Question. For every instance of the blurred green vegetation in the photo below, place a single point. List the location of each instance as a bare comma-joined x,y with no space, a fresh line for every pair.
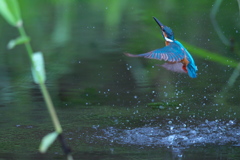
10,11
83,43
111,28
81,37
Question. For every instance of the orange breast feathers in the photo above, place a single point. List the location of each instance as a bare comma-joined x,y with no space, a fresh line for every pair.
185,63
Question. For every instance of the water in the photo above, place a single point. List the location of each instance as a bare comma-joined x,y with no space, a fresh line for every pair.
181,136
112,106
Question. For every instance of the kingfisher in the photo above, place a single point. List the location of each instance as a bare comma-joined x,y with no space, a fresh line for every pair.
174,53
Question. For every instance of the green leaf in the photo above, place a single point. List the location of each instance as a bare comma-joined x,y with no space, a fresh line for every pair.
38,69
11,12
47,141
215,57
17,41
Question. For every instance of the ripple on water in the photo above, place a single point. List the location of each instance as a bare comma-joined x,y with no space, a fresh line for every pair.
210,132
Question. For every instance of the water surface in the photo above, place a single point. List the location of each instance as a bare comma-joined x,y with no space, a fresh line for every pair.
112,106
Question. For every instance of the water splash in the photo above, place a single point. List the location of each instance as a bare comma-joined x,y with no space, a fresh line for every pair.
176,135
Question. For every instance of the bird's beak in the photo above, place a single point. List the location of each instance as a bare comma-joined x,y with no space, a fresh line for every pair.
161,26
159,23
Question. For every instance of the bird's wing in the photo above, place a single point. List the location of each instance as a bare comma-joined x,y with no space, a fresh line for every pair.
170,53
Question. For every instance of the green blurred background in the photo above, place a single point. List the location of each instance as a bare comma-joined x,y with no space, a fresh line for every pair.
93,83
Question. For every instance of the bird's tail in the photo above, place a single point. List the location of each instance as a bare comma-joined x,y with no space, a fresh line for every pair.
192,70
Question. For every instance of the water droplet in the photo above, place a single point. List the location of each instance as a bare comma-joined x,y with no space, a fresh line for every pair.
165,94
135,112
112,150
231,122
180,155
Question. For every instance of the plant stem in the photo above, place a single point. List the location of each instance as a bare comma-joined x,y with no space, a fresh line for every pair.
43,88
27,45
213,13
50,107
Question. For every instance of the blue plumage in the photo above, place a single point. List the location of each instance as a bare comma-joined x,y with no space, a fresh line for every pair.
177,57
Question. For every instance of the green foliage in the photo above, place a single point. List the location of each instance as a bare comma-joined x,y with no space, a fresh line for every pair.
47,141
234,76
38,70
11,12
18,41
114,12
202,53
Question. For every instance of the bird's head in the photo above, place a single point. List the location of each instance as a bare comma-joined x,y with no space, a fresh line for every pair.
166,31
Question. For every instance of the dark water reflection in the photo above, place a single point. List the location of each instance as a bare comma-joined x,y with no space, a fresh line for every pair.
112,106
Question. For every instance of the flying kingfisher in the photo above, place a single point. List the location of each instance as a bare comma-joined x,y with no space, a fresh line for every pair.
177,57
